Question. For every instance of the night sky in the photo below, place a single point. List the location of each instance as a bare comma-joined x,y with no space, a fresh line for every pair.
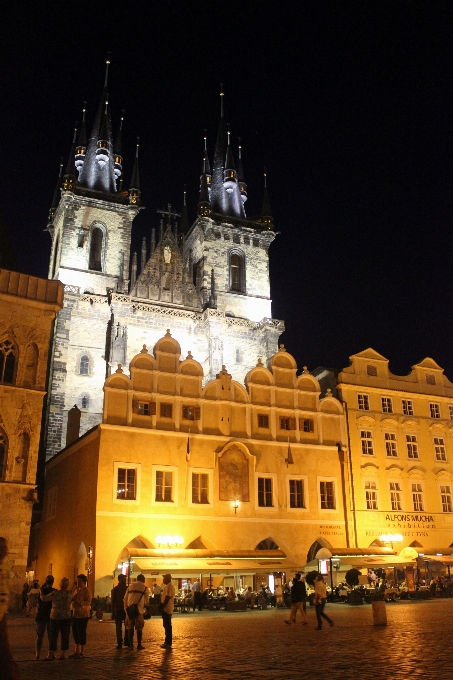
348,105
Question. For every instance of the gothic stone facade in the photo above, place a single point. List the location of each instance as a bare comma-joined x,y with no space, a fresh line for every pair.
28,306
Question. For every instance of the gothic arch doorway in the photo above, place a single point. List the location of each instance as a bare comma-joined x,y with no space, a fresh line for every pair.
317,545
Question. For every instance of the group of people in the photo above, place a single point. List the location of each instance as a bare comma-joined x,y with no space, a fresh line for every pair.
299,601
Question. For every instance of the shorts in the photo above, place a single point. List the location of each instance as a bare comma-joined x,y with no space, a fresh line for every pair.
136,623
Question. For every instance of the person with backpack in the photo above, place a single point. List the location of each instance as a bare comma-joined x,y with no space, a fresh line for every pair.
298,595
135,600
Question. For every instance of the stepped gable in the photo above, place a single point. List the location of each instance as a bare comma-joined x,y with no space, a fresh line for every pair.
165,278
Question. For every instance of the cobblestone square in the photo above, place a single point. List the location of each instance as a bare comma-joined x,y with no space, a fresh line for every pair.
417,642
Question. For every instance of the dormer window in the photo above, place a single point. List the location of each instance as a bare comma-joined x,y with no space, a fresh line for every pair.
430,378
371,370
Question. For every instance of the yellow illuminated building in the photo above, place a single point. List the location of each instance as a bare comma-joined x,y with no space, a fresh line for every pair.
401,447
215,479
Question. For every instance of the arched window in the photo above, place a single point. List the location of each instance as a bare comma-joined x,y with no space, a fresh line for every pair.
84,400
84,366
31,365
237,272
97,238
8,358
3,454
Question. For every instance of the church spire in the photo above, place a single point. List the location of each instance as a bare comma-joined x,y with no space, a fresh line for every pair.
98,168
241,178
229,175
184,225
56,198
69,176
218,196
117,149
134,189
266,217
204,205
82,142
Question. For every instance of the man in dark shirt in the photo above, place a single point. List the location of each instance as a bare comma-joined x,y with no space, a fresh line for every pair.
43,616
298,595
118,613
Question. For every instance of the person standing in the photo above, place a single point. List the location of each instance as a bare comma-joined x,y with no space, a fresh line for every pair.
118,611
43,616
167,600
7,663
196,590
298,595
137,593
60,618
33,600
82,609
320,601
157,590
24,597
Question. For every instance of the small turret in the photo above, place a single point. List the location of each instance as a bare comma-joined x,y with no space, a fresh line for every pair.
69,176
153,241
102,150
56,198
266,217
134,189
241,178
184,227
229,174
134,270
117,150
81,149
143,255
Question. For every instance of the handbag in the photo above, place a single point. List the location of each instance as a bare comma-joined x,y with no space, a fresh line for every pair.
132,610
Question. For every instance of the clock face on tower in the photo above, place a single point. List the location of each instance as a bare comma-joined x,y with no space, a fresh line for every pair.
167,254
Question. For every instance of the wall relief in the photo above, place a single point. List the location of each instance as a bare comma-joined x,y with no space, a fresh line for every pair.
234,476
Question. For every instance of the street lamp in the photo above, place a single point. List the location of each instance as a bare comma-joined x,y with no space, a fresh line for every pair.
236,505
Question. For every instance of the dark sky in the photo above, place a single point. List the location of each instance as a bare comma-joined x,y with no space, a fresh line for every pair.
347,104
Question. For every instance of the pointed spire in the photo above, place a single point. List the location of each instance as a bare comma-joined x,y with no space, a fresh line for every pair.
204,206
134,189
143,255
184,227
206,166
266,217
229,175
218,197
161,229
56,198
118,167
153,241
69,176
221,100
107,64
81,149
134,270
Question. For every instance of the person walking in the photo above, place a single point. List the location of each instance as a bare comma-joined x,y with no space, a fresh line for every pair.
81,605
167,600
42,619
60,618
24,597
8,666
136,594
320,600
298,595
33,600
196,590
118,611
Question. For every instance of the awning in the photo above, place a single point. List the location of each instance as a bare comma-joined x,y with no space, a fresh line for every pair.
383,561
154,562
447,560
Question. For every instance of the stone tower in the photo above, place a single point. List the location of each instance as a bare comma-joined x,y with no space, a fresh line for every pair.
209,283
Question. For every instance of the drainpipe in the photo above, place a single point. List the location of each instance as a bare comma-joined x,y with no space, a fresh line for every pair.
351,474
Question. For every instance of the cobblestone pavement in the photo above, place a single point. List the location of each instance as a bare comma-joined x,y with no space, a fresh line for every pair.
416,643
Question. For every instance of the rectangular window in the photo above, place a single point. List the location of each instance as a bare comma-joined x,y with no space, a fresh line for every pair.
307,425
363,402
371,496
450,411
439,448
390,444
191,412
265,492
430,379
408,407
445,495
411,446
366,438
166,410
395,496
296,493
263,420
256,242
326,495
126,484
417,497
387,406
371,369
434,410
164,486
200,487
143,408
287,423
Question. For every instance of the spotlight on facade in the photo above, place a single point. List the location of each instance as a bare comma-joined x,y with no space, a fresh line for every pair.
236,505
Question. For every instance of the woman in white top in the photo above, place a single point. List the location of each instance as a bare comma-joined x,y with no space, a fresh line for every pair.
320,601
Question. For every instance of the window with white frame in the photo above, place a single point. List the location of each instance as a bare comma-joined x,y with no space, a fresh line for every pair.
327,500
200,488
164,486
408,407
363,402
412,446
445,497
417,497
296,493
265,492
390,444
84,365
450,411
371,495
396,495
434,410
387,406
439,449
126,483
366,440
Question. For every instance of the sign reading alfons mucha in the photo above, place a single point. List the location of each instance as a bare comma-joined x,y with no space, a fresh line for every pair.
234,476
408,524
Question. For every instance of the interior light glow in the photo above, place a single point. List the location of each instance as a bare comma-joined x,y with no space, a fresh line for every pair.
390,538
